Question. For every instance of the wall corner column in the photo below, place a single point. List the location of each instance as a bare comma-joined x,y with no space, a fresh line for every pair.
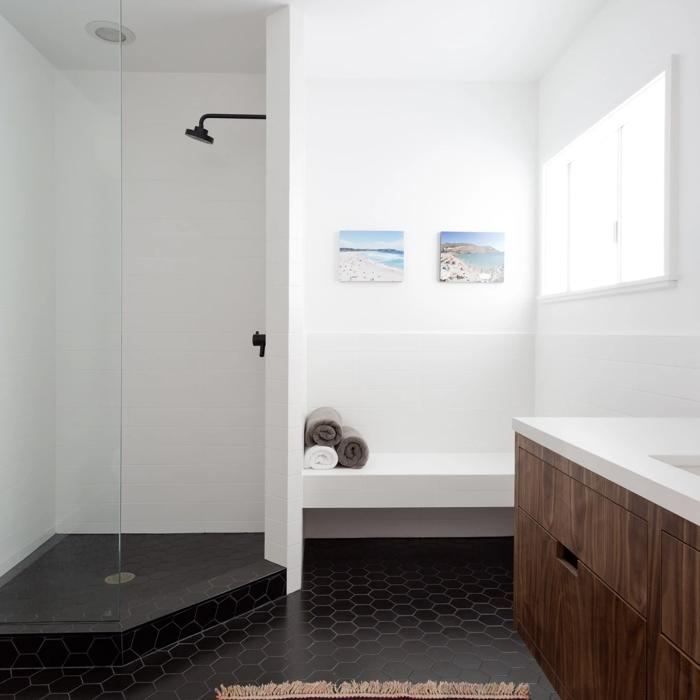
285,381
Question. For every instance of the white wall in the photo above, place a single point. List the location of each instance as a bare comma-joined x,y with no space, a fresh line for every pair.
618,375
422,365
636,356
420,157
61,246
88,300
425,392
285,382
27,318
194,280
350,523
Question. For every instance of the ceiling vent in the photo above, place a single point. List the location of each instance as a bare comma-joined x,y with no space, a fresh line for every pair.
110,32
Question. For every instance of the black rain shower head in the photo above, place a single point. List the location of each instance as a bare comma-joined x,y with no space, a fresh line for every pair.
199,133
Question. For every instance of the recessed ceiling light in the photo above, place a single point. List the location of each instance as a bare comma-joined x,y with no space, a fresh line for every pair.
110,32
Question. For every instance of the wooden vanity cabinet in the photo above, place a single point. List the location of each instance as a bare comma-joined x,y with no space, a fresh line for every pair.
579,625
607,585
676,584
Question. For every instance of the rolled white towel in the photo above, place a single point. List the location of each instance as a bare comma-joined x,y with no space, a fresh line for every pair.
320,457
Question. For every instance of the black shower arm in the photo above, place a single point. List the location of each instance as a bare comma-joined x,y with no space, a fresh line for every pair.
230,116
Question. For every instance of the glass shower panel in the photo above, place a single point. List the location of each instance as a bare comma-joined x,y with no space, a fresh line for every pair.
60,311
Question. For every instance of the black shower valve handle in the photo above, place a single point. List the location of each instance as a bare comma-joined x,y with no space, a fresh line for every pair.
259,341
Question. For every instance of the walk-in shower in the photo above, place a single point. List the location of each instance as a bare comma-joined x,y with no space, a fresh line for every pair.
130,442
60,262
200,133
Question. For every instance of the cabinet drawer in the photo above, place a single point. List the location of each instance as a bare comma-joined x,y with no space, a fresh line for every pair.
545,602
544,493
680,594
675,676
611,541
587,633
614,644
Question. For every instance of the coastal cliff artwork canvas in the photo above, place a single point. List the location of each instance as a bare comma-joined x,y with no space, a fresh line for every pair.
371,256
471,257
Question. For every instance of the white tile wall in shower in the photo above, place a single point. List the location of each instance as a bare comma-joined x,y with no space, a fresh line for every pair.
88,300
27,318
618,375
425,392
194,293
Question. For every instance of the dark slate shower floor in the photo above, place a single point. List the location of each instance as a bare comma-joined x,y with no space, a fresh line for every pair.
369,609
65,583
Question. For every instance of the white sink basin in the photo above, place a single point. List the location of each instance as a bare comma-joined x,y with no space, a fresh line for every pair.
688,463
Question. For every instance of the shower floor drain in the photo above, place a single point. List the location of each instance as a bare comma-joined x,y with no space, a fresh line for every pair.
121,577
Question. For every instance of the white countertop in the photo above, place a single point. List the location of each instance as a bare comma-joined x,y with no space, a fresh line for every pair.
619,449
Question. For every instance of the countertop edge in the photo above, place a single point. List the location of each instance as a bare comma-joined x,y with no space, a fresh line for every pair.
670,499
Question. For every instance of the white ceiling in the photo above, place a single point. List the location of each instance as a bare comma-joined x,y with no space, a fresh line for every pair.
482,40
197,36
485,40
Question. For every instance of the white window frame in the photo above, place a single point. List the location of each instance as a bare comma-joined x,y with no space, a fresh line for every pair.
669,277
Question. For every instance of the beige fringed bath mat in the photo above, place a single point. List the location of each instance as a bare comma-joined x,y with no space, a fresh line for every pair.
375,690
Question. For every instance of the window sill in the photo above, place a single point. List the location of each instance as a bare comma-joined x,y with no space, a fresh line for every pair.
648,285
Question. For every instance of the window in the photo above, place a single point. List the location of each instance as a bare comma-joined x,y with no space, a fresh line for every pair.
605,219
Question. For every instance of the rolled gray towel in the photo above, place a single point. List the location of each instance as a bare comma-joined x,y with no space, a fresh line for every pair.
352,450
323,427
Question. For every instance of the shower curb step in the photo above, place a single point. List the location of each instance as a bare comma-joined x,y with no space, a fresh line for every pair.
37,650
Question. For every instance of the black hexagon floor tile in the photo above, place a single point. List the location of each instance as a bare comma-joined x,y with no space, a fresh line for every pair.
369,609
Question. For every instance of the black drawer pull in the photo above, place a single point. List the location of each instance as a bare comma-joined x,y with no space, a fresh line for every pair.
567,558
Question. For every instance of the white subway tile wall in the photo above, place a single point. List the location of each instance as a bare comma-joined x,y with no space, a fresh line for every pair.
425,392
618,375
27,320
194,251
87,300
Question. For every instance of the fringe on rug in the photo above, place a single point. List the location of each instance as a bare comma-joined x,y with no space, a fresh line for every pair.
371,689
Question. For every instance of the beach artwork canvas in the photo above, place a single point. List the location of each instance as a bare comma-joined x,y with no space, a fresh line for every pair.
371,256
471,257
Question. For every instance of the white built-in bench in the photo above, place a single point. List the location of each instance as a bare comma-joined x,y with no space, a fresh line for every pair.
416,480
